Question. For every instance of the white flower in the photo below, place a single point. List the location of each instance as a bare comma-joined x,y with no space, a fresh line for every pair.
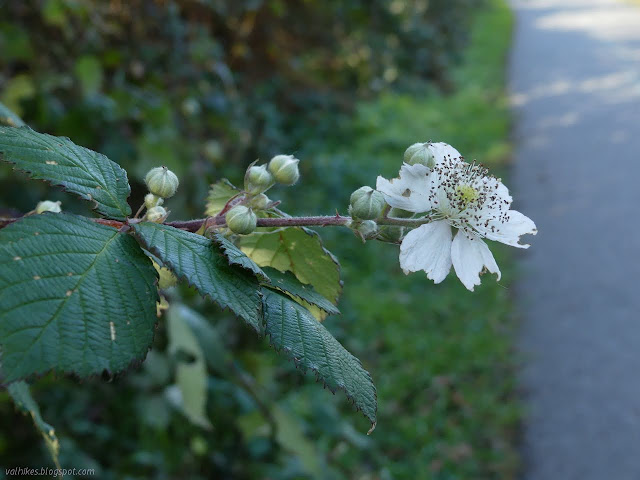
460,195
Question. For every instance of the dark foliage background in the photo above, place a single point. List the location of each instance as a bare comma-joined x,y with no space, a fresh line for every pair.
202,86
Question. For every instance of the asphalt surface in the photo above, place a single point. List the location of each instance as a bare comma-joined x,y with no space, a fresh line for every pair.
575,91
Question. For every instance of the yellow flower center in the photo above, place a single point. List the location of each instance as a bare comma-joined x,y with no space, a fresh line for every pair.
466,194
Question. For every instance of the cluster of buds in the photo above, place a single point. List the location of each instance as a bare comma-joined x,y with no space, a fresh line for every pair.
162,183
368,205
282,169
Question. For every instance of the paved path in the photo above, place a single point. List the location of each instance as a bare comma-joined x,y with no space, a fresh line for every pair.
575,83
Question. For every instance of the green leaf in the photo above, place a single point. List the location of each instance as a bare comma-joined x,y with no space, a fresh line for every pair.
75,296
21,396
61,162
297,250
202,264
7,117
237,257
219,194
191,376
288,283
292,329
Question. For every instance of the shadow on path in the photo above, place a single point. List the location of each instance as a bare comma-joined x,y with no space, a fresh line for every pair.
575,83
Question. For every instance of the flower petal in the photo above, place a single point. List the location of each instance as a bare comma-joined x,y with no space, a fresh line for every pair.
428,248
443,151
509,230
410,191
469,255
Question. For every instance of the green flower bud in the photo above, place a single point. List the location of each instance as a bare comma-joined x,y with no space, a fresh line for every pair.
156,214
408,153
285,169
151,200
48,206
367,229
400,213
420,153
162,182
258,179
166,278
367,203
259,202
241,220
391,234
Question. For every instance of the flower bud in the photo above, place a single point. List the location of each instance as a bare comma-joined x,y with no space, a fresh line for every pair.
151,200
420,153
156,214
408,153
367,229
48,206
162,182
241,220
390,234
285,169
400,213
259,202
258,179
367,203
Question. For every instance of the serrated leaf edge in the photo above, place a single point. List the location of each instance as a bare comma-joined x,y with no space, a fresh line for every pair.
95,206
220,240
274,286
183,278
303,369
133,363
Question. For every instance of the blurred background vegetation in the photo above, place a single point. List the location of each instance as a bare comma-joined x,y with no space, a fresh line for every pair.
205,87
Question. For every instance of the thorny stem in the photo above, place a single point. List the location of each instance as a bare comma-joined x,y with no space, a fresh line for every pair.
219,221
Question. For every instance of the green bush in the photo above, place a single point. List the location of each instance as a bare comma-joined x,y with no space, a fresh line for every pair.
204,87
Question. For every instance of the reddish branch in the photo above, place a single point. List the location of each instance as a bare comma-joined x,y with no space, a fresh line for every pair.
219,221
195,225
